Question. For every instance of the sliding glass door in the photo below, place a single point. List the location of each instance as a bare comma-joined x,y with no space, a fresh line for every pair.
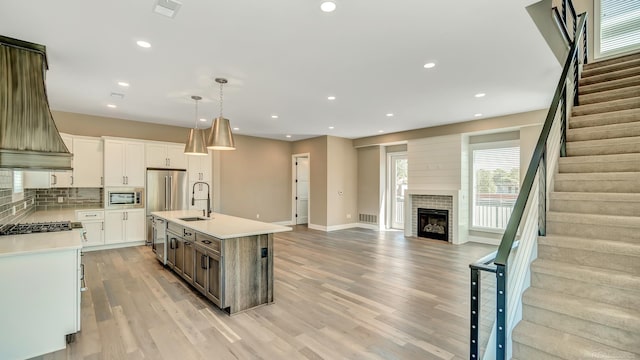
397,186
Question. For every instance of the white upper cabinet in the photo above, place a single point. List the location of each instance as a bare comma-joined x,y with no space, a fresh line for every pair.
88,167
64,179
165,156
123,163
199,168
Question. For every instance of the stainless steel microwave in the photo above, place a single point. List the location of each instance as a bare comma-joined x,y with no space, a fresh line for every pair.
124,198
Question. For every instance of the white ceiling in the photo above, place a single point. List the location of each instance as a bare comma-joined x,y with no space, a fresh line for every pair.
285,57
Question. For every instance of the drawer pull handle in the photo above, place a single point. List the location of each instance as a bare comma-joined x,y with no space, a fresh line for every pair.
206,242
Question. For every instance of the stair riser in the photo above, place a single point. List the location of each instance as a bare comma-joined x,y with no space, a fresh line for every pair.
610,95
613,132
619,262
575,149
599,108
589,71
594,231
626,298
521,351
602,186
609,85
600,166
616,60
611,336
622,208
614,75
624,117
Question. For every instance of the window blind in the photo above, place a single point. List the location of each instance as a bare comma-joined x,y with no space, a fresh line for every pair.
619,25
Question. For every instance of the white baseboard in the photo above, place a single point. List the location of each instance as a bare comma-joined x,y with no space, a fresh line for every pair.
483,240
284,223
113,246
317,227
343,227
375,227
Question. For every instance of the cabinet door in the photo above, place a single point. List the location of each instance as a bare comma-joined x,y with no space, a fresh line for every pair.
172,240
179,259
64,179
95,233
200,168
176,157
156,155
200,274
113,167
114,227
134,225
134,168
214,278
87,162
189,261
37,179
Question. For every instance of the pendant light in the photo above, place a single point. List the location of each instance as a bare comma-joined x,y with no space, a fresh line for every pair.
220,136
196,144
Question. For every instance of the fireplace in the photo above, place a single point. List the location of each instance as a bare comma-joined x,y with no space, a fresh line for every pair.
433,224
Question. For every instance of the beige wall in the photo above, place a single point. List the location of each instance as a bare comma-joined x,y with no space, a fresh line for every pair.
501,122
342,181
89,125
256,179
317,150
370,171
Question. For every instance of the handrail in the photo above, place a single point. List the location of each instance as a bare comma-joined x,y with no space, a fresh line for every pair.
518,210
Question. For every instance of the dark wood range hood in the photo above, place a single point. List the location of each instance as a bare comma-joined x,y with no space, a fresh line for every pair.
29,138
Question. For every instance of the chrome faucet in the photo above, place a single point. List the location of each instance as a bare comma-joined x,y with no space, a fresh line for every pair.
193,197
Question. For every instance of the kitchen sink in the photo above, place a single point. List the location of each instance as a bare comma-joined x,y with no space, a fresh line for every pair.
193,219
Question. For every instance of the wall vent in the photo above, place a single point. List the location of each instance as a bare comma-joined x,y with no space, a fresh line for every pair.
368,218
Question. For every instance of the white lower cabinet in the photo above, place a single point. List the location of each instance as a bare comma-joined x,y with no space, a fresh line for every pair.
122,226
93,224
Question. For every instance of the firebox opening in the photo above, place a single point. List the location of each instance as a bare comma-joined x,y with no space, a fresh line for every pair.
433,224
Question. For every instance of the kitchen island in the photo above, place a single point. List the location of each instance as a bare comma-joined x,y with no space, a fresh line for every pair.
226,258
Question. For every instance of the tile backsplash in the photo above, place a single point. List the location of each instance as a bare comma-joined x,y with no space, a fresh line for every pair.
68,198
23,207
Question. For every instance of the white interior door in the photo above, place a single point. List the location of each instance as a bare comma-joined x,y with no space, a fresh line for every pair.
398,185
302,190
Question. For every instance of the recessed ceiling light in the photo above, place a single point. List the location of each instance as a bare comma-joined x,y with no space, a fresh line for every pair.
328,6
274,116
111,106
380,131
389,115
477,115
331,97
288,136
331,127
123,84
479,95
429,65
236,129
143,44
203,119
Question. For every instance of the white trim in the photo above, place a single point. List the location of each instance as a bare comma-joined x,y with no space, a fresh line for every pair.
316,227
484,240
284,223
343,227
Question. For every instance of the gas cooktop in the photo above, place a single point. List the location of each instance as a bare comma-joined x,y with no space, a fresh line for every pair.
30,228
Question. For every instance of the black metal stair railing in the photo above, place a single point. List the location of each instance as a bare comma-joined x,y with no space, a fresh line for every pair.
498,261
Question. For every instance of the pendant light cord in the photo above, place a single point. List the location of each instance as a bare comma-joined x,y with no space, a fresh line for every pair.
196,114
221,100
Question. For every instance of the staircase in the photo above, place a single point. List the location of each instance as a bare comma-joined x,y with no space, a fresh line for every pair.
584,299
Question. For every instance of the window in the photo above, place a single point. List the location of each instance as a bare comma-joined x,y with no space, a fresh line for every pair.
495,176
618,26
18,186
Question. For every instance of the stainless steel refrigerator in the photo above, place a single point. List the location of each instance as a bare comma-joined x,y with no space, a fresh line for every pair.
166,190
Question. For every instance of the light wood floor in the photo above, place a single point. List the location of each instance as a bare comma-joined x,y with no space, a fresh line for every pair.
351,294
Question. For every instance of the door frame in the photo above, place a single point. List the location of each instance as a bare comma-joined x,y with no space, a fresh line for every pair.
293,188
390,182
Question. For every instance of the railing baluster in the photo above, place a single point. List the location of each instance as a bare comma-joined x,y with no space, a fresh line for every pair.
475,313
563,124
501,317
585,45
542,194
564,12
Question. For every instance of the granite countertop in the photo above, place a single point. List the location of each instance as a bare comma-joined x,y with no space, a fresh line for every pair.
43,242
221,226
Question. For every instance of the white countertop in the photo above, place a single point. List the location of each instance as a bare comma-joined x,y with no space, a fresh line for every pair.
42,242
221,226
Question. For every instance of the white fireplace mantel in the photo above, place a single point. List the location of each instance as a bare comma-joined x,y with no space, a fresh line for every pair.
460,231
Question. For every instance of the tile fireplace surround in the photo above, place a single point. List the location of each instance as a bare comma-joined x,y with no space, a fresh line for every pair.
435,199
